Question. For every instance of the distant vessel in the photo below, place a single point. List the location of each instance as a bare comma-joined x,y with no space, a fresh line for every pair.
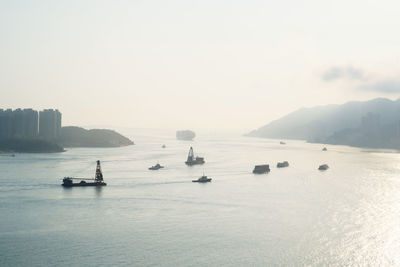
98,180
259,169
323,167
156,167
282,143
186,135
164,146
282,164
191,160
202,179
324,149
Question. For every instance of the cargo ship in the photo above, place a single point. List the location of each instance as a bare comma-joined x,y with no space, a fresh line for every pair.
282,164
259,169
185,135
192,160
97,181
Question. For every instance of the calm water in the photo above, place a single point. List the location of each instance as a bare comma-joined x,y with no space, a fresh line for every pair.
348,215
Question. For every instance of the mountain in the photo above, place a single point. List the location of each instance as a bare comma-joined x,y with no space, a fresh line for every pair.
72,136
374,123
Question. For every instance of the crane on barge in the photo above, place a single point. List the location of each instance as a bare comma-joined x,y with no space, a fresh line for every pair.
97,181
192,160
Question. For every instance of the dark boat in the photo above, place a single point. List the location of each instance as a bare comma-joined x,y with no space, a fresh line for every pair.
324,149
202,179
323,167
282,143
97,181
164,146
191,160
156,167
259,169
282,164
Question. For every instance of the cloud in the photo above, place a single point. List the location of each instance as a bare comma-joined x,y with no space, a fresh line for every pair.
343,73
385,86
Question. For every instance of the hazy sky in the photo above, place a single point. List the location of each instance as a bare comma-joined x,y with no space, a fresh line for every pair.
195,64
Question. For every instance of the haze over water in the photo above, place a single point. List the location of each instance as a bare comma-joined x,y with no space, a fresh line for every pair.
347,215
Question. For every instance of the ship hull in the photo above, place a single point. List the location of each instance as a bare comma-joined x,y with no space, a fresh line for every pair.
155,168
191,163
84,184
203,181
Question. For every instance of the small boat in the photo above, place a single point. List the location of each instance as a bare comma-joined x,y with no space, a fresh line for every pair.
202,179
259,169
97,181
282,164
282,143
323,167
164,146
192,160
324,149
156,167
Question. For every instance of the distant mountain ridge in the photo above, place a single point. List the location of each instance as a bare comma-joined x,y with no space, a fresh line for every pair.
374,123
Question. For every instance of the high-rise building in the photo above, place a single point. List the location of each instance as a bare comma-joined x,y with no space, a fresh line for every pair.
26,123
49,124
5,123
31,125
18,123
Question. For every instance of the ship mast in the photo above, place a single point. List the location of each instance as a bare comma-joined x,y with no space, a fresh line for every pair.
99,174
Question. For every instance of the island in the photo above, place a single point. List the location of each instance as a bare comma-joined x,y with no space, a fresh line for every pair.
32,131
72,136
29,145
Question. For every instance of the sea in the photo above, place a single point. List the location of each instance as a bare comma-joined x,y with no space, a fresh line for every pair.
348,215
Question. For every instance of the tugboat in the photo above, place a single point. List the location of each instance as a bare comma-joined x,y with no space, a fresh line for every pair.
282,164
156,167
259,169
97,181
191,160
323,167
202,179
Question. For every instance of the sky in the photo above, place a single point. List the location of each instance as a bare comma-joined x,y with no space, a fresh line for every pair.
212,65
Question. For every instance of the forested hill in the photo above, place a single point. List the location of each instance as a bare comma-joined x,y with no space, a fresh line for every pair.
72,136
